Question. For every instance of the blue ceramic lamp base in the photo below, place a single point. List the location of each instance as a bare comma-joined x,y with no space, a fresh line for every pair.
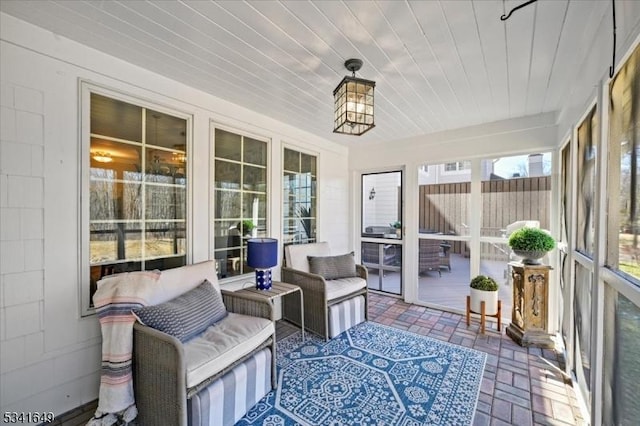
263,279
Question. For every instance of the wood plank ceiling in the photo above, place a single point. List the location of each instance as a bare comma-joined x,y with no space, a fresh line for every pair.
438,65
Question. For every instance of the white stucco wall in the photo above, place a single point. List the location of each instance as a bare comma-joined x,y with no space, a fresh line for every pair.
50,355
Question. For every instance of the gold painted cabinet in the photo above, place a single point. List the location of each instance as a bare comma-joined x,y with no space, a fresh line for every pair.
530,302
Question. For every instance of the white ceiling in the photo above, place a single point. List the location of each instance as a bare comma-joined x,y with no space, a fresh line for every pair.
438,65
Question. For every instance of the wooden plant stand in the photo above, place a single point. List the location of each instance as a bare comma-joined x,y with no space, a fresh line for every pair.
483,315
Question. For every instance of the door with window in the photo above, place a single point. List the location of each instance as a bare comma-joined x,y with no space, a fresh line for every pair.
381,232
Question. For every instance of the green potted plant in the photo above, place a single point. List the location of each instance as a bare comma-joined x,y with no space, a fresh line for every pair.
398,227
246,227
484,289
531,244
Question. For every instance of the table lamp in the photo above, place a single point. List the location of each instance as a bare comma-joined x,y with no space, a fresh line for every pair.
262,255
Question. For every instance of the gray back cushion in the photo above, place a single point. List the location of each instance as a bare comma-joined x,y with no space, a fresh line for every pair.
333,267
296,254
187,315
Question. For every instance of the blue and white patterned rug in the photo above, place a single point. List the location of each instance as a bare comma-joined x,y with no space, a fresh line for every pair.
371,374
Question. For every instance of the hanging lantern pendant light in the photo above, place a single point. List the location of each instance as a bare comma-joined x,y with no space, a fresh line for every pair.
353,102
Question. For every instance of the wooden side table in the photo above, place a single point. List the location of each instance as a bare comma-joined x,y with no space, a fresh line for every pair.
278,289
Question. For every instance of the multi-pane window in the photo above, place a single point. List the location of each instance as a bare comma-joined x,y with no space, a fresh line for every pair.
623,234
299,197
240,198
457,166
137,189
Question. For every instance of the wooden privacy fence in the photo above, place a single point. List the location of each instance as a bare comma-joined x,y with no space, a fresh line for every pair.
444,208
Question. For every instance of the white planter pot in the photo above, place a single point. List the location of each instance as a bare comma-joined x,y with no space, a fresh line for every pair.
490,299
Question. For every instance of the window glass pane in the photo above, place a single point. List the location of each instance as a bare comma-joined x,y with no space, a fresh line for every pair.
164,239
228,145
308,164
381,205
118,240
165,202
115,201
494,263
443,271
227,175
291,160
165,131
115,119
254,206
298,197
624,171
164,166
515,188
255,152
383,261
104,242
582,320
255,178
587,143
443,227
132,241
117,156
565,265
621,361
444,203
240,199
227,204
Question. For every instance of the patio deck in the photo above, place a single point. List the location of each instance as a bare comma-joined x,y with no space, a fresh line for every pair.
448,290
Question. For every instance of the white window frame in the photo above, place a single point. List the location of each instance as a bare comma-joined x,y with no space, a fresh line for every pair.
317,179
213,125
86,88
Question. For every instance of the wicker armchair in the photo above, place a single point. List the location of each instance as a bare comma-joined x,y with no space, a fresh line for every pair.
163,366
428,256
325,301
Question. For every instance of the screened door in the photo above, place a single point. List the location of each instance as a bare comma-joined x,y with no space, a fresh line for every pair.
382,230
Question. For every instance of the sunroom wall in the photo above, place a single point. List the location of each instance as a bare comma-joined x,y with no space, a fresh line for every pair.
50,355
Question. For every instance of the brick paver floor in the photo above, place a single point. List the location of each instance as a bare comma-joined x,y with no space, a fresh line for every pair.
521,386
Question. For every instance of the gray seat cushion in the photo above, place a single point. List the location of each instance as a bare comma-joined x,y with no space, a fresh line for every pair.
222,344
343,286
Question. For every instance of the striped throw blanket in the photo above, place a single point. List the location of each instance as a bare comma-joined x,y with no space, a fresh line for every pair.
114,299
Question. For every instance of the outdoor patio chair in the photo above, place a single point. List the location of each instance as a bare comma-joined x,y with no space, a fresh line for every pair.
370,255
445,255
428,256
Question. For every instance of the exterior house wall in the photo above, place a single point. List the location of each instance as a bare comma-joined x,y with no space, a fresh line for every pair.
50,354
383,209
